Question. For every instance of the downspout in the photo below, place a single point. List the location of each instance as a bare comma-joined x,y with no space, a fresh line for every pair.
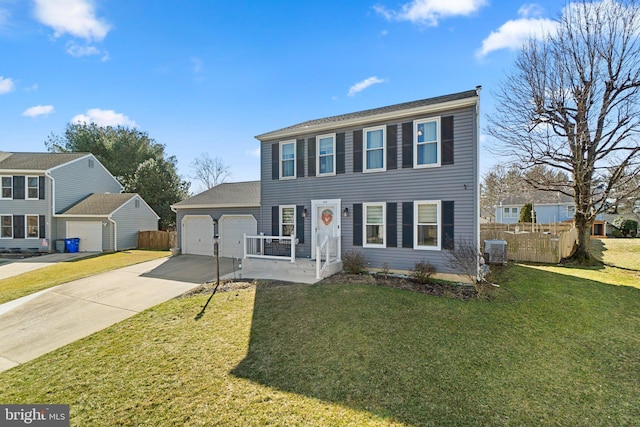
115,233
477,178
53,209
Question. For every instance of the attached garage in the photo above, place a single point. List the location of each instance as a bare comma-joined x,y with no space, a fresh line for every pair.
232,228
89,233
197,235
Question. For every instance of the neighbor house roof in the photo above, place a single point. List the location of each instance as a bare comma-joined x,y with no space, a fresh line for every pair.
99,204
539,198
384,113
228,194
36,161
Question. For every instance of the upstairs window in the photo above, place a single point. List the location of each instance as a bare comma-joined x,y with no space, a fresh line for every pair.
374,146
287,159
7,187
32,187
6,227
288,220
427,143
374,221
326,155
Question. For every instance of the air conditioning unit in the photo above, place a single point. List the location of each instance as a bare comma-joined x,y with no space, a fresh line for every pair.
495,251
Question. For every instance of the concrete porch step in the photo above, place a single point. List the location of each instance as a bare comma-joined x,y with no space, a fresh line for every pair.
302,271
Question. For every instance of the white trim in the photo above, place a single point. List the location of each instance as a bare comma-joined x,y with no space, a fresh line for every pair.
438,143
11,187
211,205
337,204
334,154
138,197
280,223
26,187
26,226
438,203
10,228
383,128
280,159
87,157
364,120
384,225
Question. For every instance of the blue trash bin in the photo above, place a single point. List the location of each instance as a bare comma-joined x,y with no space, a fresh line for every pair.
71,245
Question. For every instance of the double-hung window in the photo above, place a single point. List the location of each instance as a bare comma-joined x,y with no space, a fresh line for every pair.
32,188
326,155
7,187
33,227
427,143
511,212
374,225
374,146
287,159
427,222
6,227
288,220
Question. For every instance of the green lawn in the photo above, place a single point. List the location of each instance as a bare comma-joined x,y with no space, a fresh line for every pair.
554,349
43,278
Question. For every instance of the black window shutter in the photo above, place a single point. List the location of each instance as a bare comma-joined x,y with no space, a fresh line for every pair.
18,226
18,187
41,187
299,224
392,225
300,158
357,150
311,156
340,152
446,124
275,160
392,147
447,225
42,227
407,145
407,224
275,220
357,224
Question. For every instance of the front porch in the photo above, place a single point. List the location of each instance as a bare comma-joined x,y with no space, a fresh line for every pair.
274,258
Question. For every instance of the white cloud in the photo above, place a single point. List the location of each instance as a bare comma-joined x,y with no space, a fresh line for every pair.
38,110
360,86
430,12
6,85
76,50
74,17
103,118
514,33
253,153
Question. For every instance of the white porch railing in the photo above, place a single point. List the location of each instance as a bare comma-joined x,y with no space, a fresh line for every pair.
270,247
324,257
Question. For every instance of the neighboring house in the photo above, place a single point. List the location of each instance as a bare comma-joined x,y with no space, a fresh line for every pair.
398,184
50,196
228,210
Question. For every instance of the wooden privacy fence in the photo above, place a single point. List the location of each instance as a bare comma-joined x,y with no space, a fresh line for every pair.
157,240
534,247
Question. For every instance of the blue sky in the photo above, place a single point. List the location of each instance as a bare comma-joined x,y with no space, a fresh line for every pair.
206,76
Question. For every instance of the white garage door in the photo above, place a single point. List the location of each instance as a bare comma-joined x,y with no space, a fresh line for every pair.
232,228
197,235
89,232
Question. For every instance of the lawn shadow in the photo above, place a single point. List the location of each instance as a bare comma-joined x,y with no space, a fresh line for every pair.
598,249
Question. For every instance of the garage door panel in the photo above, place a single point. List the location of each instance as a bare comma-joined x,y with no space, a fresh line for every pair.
89,233
232,229
197,235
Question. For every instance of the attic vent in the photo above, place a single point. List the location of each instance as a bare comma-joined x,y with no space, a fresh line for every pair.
137,203
495,251
91,162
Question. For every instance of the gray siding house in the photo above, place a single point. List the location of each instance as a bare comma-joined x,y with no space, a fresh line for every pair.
398,184
228,210
50,196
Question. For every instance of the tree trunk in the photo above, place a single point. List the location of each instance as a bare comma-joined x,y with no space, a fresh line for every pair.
583,249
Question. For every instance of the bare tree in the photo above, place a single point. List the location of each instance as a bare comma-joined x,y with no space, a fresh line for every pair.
210,172
572,104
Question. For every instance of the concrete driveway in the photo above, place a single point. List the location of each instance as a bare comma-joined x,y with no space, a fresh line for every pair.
12,267
37,324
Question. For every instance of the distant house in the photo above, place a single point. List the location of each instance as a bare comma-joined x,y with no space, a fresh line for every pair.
51,196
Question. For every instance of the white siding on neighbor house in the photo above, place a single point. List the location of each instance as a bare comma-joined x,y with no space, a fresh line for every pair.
76,180
130,220
457,182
